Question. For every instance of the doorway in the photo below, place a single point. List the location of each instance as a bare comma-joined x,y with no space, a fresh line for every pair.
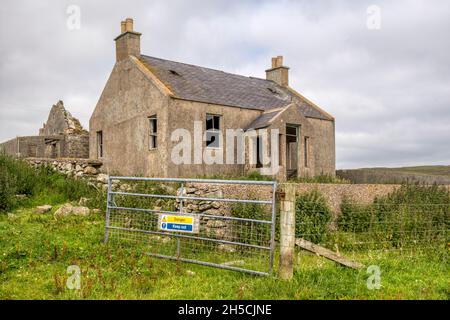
291,150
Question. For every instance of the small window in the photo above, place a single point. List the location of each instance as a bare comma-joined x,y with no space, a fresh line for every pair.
306,152
153,132
212,131
99,144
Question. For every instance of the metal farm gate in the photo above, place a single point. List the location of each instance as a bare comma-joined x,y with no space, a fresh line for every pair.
192,220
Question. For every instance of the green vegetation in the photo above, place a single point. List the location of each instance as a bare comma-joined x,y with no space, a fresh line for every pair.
312,216
251,232
254,175
36,250
321,179
23,186
413,214
425,170
423,174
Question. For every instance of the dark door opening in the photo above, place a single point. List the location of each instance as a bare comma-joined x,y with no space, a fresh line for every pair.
291,151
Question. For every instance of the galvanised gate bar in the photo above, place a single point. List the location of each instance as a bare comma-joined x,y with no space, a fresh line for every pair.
164,218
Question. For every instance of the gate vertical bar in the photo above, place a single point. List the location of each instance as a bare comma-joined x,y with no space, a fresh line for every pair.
181,211
108,204
272,228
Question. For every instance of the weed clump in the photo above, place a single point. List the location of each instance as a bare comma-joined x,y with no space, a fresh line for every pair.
312,216
413,214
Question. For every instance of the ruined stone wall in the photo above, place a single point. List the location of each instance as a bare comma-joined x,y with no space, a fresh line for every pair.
62,136
76,146
23,147
9,147
82,168
60,121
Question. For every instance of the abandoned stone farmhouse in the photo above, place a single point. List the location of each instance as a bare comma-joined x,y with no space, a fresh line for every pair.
146,99
147,102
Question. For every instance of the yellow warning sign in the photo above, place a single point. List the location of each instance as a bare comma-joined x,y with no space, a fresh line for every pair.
178,219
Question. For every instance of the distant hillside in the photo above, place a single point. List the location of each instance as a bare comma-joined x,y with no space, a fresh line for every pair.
423,174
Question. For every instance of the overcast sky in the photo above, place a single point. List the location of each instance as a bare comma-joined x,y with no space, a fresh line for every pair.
388,87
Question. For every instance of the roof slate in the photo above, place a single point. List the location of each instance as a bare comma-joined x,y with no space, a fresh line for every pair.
201,84
263,120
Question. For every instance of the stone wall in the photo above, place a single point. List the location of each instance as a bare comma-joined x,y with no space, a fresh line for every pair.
21,147
76,146
334,193
60,121
218,228
81,168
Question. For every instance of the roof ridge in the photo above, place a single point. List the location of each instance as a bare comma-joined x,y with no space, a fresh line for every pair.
212,69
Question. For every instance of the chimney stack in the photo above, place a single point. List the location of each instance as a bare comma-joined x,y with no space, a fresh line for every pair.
128,43
278,73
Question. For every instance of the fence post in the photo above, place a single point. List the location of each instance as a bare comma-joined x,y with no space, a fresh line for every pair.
287,231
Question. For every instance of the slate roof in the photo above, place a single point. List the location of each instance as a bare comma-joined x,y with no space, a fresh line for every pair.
263,120
194,83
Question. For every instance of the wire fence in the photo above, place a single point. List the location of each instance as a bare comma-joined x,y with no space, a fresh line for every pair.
408,228
240,232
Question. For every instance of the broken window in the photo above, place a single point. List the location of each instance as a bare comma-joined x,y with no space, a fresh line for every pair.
212,131
99,144
153,132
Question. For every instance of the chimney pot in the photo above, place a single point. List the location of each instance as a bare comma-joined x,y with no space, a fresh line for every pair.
123,27
277,62
129,24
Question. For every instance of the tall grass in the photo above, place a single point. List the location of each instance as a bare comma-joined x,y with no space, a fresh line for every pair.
321,179
254,175
312,216
413,215
39,185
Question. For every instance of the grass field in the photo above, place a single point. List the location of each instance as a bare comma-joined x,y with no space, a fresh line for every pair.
421,170
35,251
427,170
420,174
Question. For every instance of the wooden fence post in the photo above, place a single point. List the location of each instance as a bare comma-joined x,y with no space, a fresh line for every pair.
287,231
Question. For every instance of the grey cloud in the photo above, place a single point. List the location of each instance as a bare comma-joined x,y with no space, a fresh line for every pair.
388,89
